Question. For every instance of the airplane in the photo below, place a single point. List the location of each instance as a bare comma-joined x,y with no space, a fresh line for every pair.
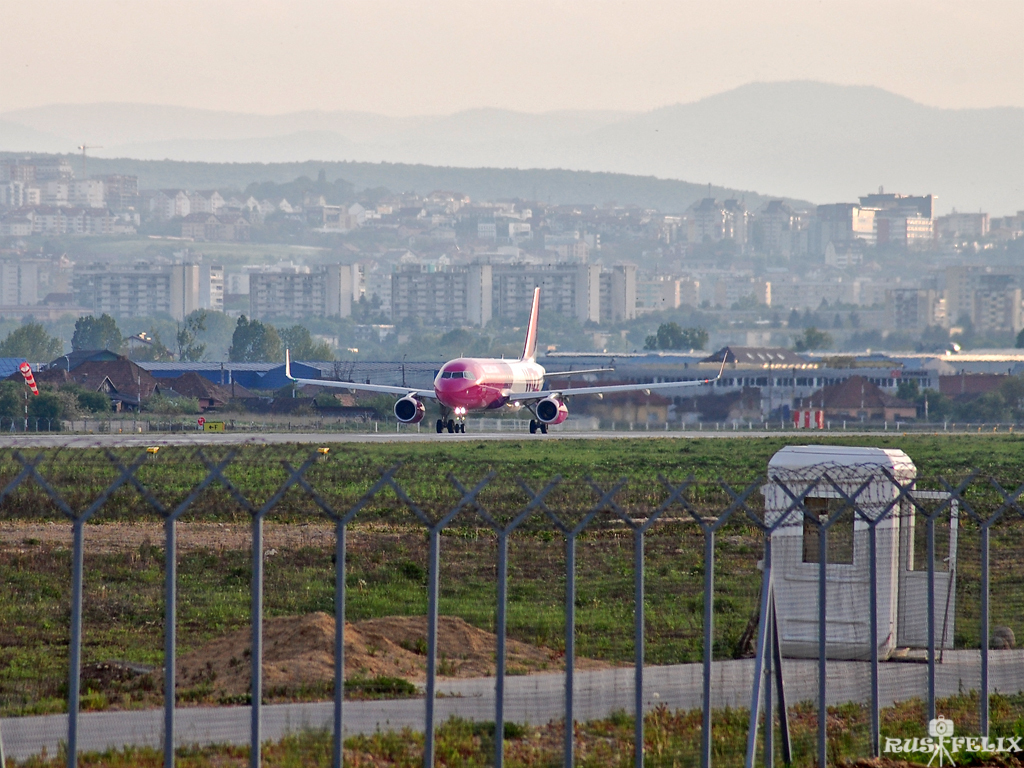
478,385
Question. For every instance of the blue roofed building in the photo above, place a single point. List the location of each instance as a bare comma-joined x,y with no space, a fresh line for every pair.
9,365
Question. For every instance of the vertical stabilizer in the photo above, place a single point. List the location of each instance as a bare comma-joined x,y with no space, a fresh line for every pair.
530,348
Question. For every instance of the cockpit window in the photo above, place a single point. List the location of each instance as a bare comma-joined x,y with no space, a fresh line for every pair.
455,375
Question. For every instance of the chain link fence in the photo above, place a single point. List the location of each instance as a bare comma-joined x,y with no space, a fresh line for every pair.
784,597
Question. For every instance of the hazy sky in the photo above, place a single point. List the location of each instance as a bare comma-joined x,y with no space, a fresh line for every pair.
440,56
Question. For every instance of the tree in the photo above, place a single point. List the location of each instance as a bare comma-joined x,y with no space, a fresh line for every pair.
32,342
300,342
188,349
671,336
1012,391
254,342
1020,340
47,405
87,399
908,389
813,339
12,402
96,333
367,311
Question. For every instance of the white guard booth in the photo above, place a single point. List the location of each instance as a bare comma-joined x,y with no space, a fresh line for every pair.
902,578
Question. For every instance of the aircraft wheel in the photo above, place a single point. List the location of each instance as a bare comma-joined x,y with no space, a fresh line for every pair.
543,428
533,426
440,426
462,428
451,426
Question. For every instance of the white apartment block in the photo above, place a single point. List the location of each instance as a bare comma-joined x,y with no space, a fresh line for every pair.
138,291
88,193
211,287
296,292
439,297
23,282
962,225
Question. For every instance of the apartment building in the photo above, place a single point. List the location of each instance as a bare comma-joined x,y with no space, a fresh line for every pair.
962,225
712,220
842,223
441,297
989,297
23,281
139,290
295,292
911,309
662,292
570,290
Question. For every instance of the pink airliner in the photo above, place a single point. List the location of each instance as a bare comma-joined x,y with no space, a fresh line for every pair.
475,385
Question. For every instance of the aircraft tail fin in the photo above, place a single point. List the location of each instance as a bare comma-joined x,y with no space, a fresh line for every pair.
530,348
288,365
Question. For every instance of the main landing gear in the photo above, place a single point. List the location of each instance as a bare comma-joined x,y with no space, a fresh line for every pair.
536,425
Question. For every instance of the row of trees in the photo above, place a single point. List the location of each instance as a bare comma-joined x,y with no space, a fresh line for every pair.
1004,404
251,342
671,336
68,402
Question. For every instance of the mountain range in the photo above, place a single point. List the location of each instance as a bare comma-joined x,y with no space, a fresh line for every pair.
805,140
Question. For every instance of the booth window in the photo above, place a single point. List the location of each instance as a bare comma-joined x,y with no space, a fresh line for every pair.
839,546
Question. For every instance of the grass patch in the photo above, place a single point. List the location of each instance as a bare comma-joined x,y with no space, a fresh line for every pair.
387,554
671,739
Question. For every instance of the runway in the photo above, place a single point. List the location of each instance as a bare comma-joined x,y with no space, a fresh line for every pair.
59,440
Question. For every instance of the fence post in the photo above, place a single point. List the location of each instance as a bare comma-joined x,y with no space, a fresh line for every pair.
570,645
709,614
170,636
984,626
822,590
930,526
257,641
638,676
501,628
873,596
339,642
759,657
432,568
74,681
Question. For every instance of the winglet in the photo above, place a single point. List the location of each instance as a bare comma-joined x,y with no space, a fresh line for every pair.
530,347
720,370
288,365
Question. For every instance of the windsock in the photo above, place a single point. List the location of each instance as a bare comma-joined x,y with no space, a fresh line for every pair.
26,371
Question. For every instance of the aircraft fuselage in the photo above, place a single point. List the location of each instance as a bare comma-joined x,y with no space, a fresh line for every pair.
484,384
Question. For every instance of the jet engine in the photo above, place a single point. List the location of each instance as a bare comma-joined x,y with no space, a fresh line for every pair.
409,410
551,410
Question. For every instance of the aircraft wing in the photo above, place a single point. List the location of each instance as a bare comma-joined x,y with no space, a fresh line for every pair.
386,389
609,389
549,374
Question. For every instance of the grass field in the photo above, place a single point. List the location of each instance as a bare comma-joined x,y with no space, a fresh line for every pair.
81,474
123,606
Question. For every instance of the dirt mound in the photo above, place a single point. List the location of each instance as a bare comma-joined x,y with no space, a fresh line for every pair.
298,653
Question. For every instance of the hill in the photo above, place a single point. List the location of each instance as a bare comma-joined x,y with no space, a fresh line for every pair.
808,140
558,187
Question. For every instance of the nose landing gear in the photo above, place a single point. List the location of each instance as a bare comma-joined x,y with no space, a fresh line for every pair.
452,425
536,424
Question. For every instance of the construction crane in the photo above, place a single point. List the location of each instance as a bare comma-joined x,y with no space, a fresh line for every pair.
84,147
